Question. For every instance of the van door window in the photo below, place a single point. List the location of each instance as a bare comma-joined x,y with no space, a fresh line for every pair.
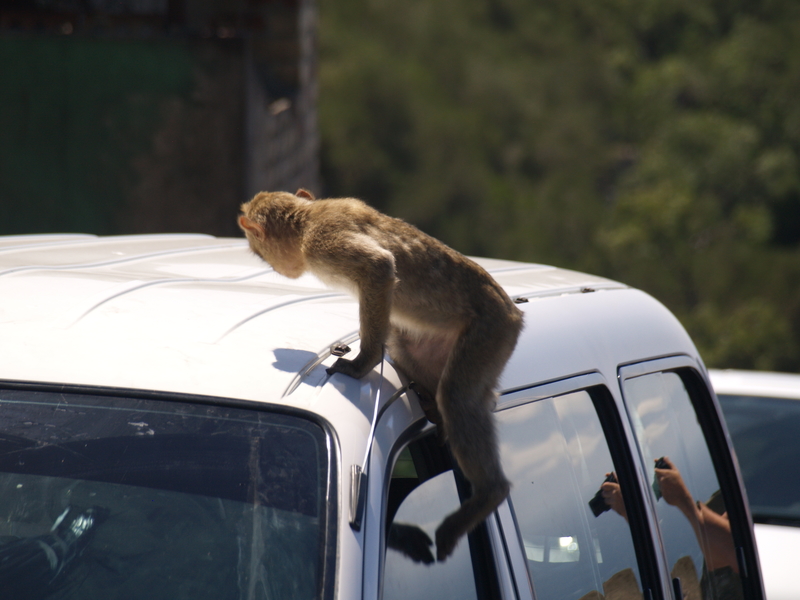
570,513
423,490
686,491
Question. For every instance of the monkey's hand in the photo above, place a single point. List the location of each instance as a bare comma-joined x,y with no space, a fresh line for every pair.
355,368
411,541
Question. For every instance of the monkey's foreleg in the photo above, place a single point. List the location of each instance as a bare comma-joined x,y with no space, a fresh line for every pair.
375,283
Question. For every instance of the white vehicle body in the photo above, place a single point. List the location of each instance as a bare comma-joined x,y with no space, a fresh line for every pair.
181,316
778,539
759,384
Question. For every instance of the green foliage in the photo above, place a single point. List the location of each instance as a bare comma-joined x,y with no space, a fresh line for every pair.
654,143
75,112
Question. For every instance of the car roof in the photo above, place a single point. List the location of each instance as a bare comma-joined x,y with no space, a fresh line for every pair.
198,314
755,383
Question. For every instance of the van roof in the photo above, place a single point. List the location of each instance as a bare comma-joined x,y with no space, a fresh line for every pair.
199,314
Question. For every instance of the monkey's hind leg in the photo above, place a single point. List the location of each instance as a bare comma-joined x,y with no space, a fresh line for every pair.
473,443
466,400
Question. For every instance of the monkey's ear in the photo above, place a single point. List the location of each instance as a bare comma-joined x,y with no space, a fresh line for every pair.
304,193
251,226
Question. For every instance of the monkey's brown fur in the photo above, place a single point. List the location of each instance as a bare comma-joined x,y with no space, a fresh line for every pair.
446,323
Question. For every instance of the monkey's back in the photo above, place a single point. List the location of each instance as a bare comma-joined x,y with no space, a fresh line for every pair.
431,276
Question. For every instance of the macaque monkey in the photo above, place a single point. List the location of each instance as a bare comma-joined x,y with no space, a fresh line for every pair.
445,322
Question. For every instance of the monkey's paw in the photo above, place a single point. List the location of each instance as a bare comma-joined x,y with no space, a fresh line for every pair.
447,537
349,368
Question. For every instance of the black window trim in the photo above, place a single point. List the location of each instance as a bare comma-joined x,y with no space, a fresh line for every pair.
712,424
331,529
626,468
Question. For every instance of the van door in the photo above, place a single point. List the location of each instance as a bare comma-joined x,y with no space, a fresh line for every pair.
694,487
574,494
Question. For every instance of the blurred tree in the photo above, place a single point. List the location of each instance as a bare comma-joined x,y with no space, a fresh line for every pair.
657,144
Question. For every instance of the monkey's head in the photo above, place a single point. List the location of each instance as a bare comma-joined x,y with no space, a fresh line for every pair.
273,223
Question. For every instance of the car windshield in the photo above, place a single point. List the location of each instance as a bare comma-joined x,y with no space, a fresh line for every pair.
112,497
765,436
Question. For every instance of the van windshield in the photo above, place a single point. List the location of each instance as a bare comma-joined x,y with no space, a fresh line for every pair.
106,497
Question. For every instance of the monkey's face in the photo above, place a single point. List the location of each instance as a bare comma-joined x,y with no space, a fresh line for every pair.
253,231
270,223
262,217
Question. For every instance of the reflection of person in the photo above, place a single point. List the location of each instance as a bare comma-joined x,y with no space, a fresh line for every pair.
612,494
713,530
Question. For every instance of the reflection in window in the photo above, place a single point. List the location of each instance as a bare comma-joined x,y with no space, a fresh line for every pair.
691,513
110,497
541,548
409,569
555,454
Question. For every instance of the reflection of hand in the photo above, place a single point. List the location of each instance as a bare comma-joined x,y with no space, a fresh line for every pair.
612,494
673,488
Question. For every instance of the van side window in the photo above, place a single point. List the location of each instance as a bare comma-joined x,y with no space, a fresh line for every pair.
577,540
422,491
686,491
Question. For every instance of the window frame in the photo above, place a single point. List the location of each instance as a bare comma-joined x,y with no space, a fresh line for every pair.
720,447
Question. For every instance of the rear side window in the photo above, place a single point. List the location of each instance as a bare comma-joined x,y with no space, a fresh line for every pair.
105,497
692,515
555,453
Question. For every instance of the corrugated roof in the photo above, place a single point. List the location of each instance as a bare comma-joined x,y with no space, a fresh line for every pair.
82,309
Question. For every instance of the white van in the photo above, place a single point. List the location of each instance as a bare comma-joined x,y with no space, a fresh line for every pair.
168,431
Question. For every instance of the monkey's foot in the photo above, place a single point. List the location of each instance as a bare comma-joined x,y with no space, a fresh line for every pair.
447,536
411,541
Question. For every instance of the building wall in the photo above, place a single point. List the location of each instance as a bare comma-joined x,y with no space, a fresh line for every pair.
281,115
136,121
